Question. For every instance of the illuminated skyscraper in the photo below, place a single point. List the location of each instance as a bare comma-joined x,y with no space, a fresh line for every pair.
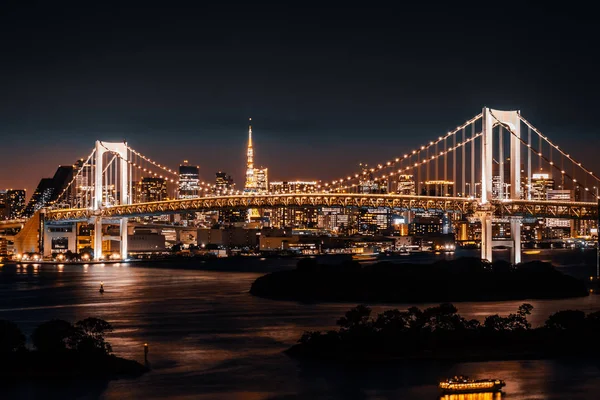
50,190
189,181
223,183
540,184
153,189
15,201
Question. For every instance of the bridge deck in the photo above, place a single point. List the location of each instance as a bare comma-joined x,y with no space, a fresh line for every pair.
463,205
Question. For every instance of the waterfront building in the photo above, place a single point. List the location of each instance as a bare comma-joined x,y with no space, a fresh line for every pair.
423,225
228,237
189,181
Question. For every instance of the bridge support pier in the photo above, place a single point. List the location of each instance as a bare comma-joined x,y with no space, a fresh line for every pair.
97,239
123,234
515,233
485,217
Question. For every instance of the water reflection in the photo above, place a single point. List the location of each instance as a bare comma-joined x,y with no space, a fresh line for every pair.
473,396
210,339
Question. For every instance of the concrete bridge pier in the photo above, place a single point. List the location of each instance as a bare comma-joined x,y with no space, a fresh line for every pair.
515,233
123,234
485,217
97,238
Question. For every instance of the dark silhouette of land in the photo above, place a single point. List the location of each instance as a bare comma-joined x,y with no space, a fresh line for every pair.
464,279
63,350
440,333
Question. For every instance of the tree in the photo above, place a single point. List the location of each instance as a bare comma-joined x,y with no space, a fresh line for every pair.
566,320
11,337
55,335
356,318
90,335
495,323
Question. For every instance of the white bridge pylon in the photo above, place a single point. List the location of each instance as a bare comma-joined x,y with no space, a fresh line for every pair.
124,182
511,120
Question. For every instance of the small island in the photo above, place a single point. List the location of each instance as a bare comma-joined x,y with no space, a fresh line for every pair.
463,279
441,334
63,351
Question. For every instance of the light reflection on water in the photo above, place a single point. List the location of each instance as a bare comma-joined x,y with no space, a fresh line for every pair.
472,396
210,339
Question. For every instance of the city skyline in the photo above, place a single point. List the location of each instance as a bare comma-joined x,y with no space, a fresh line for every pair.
359,86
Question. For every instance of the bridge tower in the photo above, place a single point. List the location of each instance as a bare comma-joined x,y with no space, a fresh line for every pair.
124,184
510,121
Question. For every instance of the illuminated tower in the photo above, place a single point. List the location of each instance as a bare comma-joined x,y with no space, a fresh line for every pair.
250,178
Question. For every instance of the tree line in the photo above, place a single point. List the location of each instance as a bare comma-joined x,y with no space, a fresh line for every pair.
85,336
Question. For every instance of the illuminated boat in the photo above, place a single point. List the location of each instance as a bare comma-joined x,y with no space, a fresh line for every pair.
462,384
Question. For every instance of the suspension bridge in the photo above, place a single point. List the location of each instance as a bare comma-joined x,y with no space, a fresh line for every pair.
484,167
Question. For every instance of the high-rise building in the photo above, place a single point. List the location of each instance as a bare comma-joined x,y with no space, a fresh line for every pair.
153,189
501,180
292,187
540,184
406,185
83,186
41,196
223,183
189,181
51,190
4,210
15,203
262,179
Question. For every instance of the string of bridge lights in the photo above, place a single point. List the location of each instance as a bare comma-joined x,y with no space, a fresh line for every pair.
422,162
587,171
407,155
86,163
551,163
152,162
206,185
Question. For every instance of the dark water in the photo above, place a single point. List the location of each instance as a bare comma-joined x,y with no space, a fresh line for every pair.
210,339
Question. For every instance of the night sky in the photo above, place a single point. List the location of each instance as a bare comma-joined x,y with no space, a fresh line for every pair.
327,87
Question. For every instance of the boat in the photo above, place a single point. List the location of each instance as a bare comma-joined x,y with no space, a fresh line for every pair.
463,384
